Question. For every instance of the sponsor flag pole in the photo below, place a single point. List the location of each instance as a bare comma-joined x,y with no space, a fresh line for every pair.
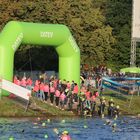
28,103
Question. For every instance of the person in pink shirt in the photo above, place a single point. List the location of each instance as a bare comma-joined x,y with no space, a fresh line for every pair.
57,95
55,82
52,92
37,82
29,83
93,98
17,81
65,136
88,94
75,92
23,82
62,100
46,91
36,90
96,94
41,91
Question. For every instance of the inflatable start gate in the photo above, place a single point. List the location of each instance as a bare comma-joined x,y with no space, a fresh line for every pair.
58,36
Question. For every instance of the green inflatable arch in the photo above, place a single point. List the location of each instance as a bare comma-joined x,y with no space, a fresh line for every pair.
58,36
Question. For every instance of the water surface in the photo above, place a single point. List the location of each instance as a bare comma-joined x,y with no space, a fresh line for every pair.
128,128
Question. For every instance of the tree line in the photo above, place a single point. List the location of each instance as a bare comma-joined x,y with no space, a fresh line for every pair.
101,28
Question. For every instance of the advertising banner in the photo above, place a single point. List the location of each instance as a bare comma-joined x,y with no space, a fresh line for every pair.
15,89
107,83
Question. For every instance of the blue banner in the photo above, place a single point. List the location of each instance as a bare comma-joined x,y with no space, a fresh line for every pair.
113,85
127,80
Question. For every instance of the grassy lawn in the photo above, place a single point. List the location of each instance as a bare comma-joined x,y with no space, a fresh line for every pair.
10,108
128,104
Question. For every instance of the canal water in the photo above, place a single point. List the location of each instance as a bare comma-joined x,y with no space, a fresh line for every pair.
127,128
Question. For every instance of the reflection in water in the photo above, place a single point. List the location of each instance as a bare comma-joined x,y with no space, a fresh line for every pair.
79,129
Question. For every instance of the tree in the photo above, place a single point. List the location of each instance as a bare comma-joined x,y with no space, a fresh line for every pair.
118,14
86,20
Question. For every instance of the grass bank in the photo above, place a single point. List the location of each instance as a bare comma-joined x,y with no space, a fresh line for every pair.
11,108
129,105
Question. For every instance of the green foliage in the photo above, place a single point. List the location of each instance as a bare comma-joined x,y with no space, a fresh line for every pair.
101,28
118,14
